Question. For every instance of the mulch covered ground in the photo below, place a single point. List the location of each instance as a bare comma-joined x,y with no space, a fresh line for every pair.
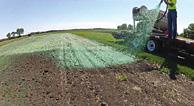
35,80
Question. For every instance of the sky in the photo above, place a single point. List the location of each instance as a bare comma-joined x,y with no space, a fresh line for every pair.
42,15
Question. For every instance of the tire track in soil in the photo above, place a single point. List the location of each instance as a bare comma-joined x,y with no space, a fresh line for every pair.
63,74
75,54
91,53
95,55
79,53
91,58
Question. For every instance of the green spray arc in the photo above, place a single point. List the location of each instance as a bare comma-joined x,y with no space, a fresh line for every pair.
144,23
142,14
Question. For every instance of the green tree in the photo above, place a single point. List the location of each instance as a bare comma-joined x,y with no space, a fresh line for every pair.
189,32
191,28
20,31
130,27
13,34
185,33
119,27
124,27
8,35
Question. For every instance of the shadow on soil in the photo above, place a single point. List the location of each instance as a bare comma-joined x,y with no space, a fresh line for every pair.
171,64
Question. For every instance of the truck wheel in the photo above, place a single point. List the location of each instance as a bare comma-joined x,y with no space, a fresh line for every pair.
152,46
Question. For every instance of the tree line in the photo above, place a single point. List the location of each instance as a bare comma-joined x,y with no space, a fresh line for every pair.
188,32
19,32
125,27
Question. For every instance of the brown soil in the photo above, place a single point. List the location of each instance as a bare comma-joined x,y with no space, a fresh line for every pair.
35,80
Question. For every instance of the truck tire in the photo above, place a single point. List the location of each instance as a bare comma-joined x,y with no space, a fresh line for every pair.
152,46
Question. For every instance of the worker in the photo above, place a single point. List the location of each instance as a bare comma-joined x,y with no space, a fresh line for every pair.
172,18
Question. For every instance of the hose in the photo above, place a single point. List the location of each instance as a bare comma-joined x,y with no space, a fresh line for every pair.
163,14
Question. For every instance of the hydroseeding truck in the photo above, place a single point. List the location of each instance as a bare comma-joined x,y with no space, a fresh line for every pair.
158,37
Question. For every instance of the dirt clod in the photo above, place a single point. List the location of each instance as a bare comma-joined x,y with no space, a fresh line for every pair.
103,104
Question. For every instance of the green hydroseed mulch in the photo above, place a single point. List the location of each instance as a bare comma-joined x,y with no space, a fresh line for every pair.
68,50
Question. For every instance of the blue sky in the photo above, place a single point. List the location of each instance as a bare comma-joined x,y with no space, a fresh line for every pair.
41,15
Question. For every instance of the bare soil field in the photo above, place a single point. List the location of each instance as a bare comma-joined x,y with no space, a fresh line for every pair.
35,80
